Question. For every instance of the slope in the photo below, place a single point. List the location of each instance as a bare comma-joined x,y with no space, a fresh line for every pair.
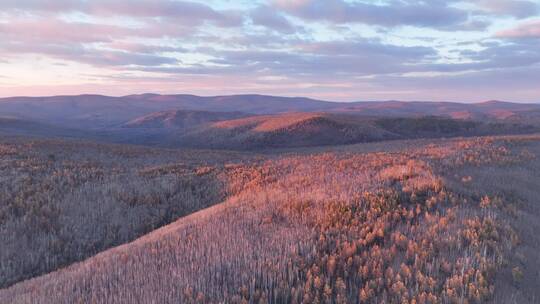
96,111
286,130
340,227
318,129
62,201
180,119
21,127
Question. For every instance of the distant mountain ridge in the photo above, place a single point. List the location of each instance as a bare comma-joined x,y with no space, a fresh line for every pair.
97,111
255,121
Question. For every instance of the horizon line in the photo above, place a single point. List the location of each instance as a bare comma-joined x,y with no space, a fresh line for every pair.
267,95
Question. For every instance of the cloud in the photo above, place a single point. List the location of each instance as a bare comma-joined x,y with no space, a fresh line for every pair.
292,4
56,31
364,47
116,58
311,60
529,29
470,25
143,48
81,54
516,8
183,12
307,46
81,42
268,17
346,60
37,5
473,85
423,14
495,57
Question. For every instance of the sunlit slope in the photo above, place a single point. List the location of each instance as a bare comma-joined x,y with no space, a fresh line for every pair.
348,227
319,129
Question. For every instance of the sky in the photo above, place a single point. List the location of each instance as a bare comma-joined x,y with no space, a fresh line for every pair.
342,50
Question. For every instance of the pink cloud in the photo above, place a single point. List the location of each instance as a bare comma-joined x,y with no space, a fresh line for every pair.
56,31
527,30
184,12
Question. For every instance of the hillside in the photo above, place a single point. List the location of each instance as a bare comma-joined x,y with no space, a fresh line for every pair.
83,111
97,112
318,129
255,104
439,222
180,119
64,201
285,130
490,110
529,117
228,122
21,127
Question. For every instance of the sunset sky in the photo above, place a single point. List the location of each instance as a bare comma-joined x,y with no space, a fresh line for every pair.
328,49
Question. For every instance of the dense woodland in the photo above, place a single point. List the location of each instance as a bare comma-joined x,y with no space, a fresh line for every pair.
65,201
442,221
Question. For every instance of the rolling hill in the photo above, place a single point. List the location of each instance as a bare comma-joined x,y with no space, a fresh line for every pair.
98,112
180,119
256,121
285,130
83,111
319,129
491,110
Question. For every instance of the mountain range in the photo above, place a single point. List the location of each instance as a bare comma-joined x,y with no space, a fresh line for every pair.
255,121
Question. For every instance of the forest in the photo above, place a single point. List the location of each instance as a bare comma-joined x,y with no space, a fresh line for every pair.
419,221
